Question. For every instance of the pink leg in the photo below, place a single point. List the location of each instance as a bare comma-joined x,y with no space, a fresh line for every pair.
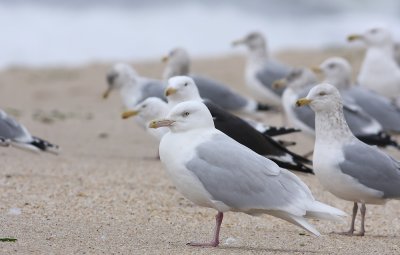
215,241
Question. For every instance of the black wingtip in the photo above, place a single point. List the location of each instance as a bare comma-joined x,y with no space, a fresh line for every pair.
44,145
381,139
275,131
263,107
294,167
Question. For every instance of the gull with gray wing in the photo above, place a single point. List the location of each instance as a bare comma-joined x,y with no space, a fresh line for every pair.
212,170
345,166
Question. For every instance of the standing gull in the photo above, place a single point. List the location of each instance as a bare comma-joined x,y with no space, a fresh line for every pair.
178,63
261,70
379,70
183,88
337,72
345,166
363,126
133,88
150,109
212,170
17,135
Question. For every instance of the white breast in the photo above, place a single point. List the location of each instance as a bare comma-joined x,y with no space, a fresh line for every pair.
258,90
175,151
325,164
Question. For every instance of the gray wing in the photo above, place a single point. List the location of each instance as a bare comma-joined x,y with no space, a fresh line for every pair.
11,129
244,180
357,119
372,168
379,107
152,88
219,94
271,72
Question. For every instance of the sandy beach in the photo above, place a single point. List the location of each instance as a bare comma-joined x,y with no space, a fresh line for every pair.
106,193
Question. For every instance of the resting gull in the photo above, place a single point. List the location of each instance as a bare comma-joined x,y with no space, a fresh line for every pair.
178,63
365,128
150,109
338,71
133,88
17,135
345,166
261,70
183,88
379,70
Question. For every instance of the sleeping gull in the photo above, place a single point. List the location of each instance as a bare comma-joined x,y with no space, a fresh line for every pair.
379,70
337,72
133,88
150,109
212,170
345,166
183,88
19,136
364,127
178,63
261,70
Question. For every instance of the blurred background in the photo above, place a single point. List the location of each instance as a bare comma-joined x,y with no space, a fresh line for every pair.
75,32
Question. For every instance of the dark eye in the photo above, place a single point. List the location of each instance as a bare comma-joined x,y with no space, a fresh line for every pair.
144,106
185,114
374,31
322,93
331,66
186,84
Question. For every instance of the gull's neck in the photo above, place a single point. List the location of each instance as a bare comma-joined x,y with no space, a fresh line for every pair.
175,69
257,56
340,82
331,126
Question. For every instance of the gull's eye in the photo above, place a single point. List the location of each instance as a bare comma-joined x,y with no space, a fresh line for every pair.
185,114
322,93
374,31
144,106
186,84
331,66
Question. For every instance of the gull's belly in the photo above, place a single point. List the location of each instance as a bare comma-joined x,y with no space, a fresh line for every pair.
339,184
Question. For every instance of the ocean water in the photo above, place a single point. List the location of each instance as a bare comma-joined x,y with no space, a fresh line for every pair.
68,33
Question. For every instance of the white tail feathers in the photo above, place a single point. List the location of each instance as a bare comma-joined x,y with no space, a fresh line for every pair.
323,211
296,220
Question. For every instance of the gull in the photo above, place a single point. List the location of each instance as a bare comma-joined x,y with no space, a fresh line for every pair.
183,88
212,170
345,166
133,88
338,71
261,70
150,109
17,135
178,64
364,127
379,70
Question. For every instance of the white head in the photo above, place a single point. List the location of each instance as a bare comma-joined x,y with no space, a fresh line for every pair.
337,72
186,116
178,63
323,97
297,79
180,89
254,41
375,37
149,109
118,76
